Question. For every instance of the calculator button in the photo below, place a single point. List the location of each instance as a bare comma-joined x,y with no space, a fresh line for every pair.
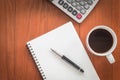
90,2
79,16
70,9
86,6
78,0
70,1
78,7
82,3
74,12
61,2
74,4
82,11
65,6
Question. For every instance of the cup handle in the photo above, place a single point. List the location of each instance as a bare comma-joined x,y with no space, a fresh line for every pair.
110,58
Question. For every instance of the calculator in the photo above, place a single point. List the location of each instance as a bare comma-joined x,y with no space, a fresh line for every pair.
76,9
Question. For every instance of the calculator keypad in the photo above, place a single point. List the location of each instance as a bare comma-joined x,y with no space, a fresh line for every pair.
81,5
76,8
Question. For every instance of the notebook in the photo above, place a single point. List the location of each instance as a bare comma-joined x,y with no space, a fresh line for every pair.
65,40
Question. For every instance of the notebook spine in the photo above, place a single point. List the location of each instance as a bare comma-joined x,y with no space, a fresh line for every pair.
36,60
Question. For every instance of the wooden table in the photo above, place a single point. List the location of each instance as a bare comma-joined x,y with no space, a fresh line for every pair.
23,20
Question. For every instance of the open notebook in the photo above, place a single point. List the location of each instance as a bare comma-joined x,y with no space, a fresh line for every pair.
65,40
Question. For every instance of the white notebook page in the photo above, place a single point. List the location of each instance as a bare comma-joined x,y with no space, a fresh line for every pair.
65,40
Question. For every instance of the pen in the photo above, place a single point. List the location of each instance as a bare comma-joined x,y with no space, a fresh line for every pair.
68,60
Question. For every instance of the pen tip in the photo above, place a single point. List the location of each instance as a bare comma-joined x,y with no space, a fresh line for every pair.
51,49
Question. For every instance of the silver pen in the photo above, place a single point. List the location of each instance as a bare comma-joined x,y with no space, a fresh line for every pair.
68,60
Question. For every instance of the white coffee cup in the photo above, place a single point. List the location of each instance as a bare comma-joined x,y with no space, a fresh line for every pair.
107,53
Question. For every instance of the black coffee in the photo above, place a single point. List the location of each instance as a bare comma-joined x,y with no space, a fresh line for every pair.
100,40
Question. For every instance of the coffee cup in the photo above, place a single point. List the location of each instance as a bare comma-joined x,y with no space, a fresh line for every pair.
101,41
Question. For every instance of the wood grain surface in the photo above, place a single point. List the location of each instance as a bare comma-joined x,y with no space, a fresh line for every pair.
23,20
